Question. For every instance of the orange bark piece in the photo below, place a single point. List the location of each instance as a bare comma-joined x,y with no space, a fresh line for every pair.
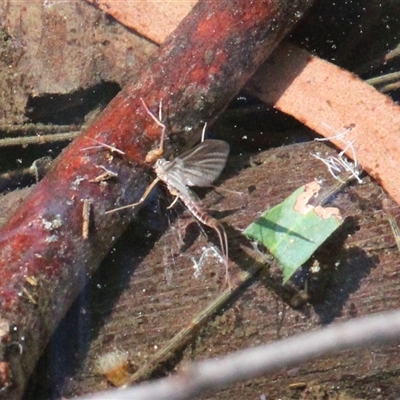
331,101
302,207
321,95
153,19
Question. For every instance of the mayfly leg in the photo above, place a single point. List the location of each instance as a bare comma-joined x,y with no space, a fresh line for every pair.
141,200
200,166
151,157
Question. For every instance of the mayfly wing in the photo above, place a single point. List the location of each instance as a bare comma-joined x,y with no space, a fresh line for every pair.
171,174
201,165
197,167
204,164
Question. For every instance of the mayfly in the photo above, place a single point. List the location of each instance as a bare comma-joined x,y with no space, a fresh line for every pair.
200,166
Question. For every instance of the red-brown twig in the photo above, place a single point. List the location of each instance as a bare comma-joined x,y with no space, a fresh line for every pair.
204,63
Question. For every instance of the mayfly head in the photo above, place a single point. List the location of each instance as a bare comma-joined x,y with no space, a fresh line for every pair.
154,155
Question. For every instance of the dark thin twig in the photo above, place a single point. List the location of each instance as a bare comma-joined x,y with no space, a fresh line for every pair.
39,139
209,375
26,128
180,340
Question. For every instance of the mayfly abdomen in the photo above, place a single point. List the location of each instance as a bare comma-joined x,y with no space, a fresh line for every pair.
200,166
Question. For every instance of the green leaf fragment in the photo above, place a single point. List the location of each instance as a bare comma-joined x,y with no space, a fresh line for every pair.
293,236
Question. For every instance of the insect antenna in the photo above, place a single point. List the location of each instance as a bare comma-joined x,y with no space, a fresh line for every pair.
156,154
200,166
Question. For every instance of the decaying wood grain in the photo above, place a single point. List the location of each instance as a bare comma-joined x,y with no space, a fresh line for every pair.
147,299
44,260
59,47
